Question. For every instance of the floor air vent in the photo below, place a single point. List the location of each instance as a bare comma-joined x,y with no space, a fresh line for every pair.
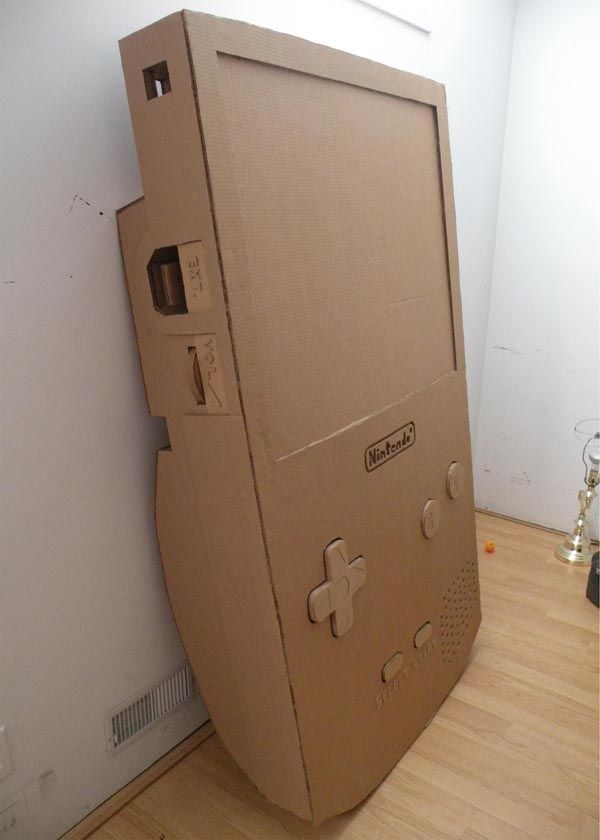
135,717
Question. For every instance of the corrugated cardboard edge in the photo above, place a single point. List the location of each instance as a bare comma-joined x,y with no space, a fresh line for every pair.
270,784
236,367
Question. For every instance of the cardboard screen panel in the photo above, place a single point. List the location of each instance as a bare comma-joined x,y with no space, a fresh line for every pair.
293,275
330,301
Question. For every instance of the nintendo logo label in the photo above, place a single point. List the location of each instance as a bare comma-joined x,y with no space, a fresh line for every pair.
388,447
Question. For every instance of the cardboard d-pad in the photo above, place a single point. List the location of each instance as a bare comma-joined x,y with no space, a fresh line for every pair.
334,597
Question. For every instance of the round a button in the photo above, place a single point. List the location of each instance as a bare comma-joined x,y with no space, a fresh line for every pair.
455,480
430,518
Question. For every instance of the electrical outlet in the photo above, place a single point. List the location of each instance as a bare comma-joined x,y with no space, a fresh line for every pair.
6,767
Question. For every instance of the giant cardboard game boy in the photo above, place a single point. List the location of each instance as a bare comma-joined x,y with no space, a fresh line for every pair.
293,275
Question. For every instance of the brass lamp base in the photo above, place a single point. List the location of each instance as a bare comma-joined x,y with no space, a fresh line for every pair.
574,551
576,548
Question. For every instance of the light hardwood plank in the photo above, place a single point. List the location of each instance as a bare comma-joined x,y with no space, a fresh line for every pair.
511,755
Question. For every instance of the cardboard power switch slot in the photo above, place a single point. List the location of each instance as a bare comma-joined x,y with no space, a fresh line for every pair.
293,276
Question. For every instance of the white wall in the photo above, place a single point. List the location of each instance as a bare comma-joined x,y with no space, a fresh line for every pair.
84,621
541,369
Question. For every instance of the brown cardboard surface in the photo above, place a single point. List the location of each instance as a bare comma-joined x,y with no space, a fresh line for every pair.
314,392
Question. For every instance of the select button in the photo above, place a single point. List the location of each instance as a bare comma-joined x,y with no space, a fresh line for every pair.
392,667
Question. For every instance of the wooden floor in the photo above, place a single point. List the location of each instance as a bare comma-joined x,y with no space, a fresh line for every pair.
511,755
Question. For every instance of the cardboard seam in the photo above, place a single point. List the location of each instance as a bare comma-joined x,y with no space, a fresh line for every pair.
218,21
445,221
243,412
327,78
364,419
119,217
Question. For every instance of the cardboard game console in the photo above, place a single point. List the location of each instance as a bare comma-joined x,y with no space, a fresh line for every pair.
293,275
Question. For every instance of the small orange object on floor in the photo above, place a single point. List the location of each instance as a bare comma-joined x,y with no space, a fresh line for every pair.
490,547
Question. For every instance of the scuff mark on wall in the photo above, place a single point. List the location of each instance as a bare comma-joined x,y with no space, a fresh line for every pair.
79,198
517,479
47,782
507,349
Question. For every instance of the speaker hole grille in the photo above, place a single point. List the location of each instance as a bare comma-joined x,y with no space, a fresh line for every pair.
459,610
